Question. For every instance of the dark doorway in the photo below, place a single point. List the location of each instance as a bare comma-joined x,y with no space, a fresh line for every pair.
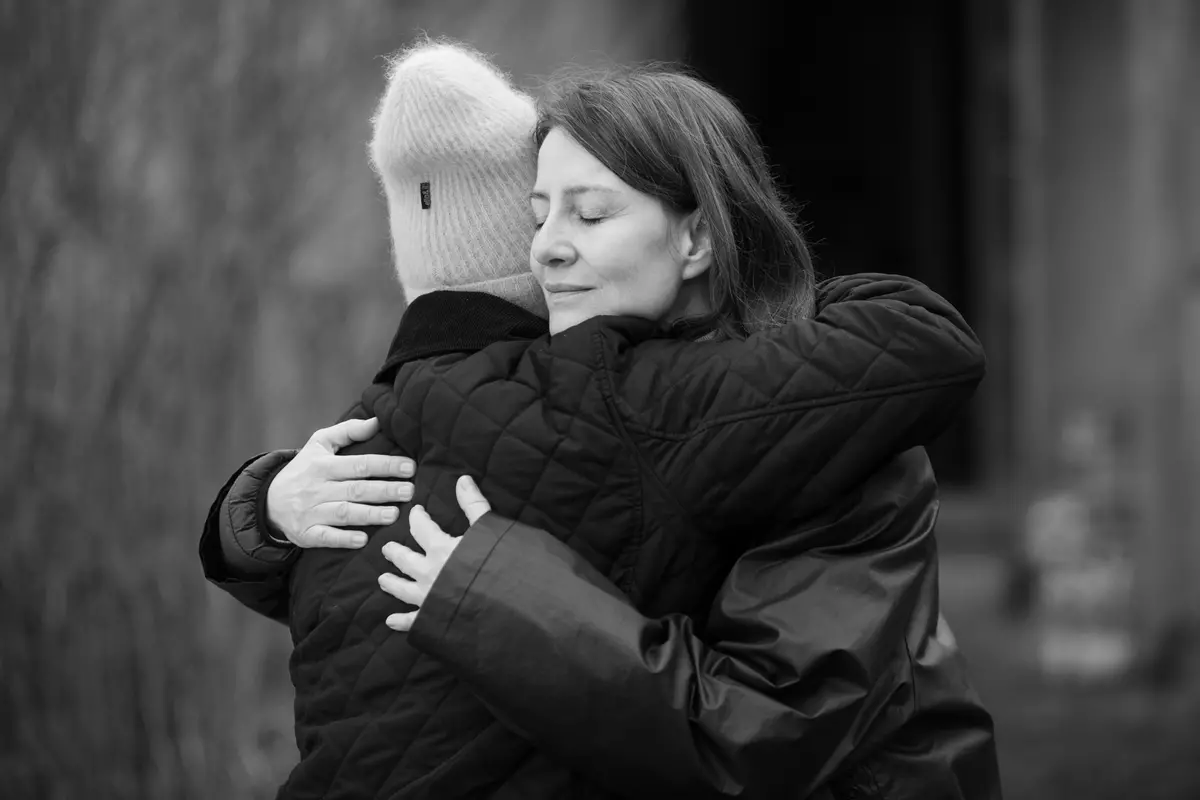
861,107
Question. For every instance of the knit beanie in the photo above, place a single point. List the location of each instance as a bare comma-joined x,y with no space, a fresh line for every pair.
453,146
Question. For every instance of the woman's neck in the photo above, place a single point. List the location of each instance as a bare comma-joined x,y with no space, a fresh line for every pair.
692,317
692,302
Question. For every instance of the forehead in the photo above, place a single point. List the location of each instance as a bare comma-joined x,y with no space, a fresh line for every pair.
562,160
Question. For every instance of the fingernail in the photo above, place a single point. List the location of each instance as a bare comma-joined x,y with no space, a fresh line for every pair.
358,539
390,514
404,492
407,468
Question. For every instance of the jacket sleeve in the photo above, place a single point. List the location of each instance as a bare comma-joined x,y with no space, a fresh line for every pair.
803,655
795,415
238,554
872,334
238,549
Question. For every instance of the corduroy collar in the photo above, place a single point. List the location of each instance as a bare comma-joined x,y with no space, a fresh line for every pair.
456,322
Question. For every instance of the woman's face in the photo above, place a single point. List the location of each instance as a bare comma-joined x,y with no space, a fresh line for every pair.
603,248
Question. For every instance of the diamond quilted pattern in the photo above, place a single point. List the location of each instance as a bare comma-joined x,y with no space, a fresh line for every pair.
632,450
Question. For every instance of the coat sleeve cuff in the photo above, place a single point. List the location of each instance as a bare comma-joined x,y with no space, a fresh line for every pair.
212,552
246,544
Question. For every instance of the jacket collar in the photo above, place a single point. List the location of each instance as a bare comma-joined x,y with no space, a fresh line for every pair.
456,322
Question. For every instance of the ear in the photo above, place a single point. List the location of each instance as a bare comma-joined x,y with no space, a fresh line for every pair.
697,246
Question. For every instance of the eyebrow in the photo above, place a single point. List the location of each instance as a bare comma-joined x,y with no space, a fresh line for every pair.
572,191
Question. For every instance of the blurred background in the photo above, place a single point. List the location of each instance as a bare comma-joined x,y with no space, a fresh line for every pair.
194,268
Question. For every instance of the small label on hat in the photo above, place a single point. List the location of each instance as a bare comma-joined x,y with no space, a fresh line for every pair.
425,195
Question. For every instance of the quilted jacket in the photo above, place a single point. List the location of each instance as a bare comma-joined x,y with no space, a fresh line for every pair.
658,462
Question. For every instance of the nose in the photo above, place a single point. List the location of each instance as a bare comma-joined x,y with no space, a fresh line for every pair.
551,248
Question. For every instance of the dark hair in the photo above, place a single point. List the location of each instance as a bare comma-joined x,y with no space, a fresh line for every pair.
671,136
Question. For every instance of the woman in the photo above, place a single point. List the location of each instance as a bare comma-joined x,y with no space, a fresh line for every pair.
693,251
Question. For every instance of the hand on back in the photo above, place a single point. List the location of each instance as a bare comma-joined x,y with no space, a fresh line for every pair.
320,498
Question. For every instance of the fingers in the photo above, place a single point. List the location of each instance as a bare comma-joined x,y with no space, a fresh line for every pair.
370,466
320,489
427,532
344,513
405,591
407,560
470,499
370,491
401,622
345,433
325,536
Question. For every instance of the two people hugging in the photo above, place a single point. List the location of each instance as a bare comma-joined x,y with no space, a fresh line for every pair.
634,506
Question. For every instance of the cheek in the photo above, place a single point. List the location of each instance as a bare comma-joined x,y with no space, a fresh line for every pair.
636,269
653,278
655,289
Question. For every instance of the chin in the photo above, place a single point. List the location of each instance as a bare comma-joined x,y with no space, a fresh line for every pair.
560,322
563,320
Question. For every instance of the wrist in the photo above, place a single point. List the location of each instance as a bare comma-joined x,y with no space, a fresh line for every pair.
272,535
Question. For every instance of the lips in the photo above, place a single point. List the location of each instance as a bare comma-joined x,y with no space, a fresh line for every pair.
557,293
566,288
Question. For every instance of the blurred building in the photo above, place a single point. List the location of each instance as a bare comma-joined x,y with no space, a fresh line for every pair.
1037,162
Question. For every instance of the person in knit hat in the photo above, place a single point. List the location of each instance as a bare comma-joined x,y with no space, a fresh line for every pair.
453,147
654,457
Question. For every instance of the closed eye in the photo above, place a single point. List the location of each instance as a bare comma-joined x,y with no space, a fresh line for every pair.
537,225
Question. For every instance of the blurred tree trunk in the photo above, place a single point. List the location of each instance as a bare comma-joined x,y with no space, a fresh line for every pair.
194,270
147,148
